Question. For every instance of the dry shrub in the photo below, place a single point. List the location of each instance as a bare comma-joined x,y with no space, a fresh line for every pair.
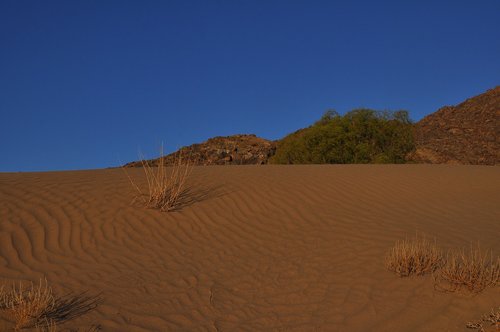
27,306
492,319
166,185
46,326
3,298
37,306
473,271
416,256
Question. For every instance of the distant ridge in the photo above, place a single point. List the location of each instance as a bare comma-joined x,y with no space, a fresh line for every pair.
223,150
468,133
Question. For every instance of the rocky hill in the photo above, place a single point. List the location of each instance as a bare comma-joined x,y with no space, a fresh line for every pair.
223,150
468,133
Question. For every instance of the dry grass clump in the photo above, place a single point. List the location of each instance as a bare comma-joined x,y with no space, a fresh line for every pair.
492,319
166,185
473,271
46,326
37,306
28,306
415,256
3,298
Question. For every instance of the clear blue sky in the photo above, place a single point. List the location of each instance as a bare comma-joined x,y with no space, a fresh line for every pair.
87,84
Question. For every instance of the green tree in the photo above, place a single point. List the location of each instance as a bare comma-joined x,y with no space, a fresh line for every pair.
360,136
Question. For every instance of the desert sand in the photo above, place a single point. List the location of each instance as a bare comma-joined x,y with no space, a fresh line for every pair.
260,248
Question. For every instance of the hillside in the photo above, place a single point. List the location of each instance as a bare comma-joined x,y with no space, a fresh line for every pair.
468,133
224,150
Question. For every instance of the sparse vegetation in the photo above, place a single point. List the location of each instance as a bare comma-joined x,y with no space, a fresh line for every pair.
416,256
166,185
361,136
473,271
37,307
46,326
492,320
28,306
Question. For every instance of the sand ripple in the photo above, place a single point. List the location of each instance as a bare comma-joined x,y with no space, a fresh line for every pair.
269,248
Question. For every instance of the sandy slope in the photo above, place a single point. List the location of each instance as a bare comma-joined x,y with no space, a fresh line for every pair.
264,248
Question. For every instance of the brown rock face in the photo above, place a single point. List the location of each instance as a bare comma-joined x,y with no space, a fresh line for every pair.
468,133
223,150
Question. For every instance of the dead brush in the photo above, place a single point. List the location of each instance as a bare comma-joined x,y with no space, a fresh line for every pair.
473,271
166,185
492,319
28,306
416,256
37,307
47,325
3,298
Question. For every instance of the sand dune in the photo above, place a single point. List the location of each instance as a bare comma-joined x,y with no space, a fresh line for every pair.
261,248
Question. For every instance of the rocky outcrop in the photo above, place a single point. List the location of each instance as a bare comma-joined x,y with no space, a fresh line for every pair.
223,150
468,133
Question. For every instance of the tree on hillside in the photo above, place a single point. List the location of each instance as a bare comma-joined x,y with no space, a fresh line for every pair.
360,136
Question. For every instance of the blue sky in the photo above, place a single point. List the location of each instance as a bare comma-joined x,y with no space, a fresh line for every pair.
88,84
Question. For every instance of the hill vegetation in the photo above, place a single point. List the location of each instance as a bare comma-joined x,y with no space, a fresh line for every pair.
463,134
361,136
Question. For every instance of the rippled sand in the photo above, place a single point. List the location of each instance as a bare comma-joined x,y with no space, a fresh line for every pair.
261,248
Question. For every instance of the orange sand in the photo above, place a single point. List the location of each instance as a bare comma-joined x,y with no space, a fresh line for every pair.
264,248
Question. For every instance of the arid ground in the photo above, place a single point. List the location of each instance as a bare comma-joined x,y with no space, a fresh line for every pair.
257,248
